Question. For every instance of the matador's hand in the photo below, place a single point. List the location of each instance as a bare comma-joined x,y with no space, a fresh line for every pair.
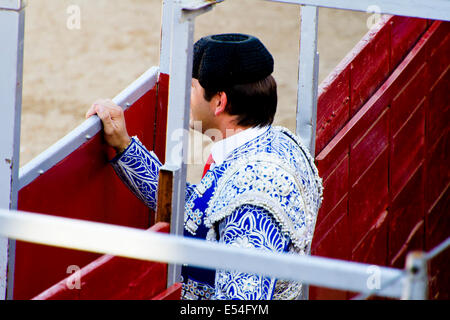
114,126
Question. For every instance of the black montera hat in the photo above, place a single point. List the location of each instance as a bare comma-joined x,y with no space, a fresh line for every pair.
223,60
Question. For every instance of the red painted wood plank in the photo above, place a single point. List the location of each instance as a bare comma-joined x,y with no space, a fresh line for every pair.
437,220
370,68
373,247
332,236
333,243
438,229
318,293
333,108
357,125
335,92
415,162
409,97
172,293
366,148
437,184
123,279
406,211
161,116
51,265
438,116
368,197
376,104
438,172
405,33
335,188
407,149
417,58
439,277
141,118
110,277
413,242
82,186
439,46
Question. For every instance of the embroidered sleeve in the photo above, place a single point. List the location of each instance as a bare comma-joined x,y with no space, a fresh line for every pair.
138,168
189,190
248,227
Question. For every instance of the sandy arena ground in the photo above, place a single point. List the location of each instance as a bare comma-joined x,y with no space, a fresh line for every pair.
66,69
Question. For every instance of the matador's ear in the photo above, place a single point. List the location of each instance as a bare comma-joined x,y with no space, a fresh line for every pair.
221,104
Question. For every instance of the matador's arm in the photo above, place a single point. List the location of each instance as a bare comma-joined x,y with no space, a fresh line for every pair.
139,168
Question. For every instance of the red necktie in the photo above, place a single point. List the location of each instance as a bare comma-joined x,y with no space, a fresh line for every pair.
208,164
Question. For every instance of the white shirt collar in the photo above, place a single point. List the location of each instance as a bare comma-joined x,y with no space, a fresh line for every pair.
221,149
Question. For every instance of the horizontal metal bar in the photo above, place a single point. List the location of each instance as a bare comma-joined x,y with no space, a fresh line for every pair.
14,5
192,5
12,26
141,244
438,249
428,9
90,127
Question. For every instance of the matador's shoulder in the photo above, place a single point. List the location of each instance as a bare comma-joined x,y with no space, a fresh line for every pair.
276,180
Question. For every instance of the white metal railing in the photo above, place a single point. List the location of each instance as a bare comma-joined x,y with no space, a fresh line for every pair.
141,244
427,9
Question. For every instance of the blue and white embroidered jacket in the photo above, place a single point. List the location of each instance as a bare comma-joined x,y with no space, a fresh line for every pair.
265,195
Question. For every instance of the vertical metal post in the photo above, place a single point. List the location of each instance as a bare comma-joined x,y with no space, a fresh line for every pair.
416,280
178,120
308,73
166,34
12,18
181,51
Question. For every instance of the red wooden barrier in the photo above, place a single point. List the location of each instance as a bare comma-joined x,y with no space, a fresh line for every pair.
83,186
110,277
385,168
382,150
362,72
172,293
